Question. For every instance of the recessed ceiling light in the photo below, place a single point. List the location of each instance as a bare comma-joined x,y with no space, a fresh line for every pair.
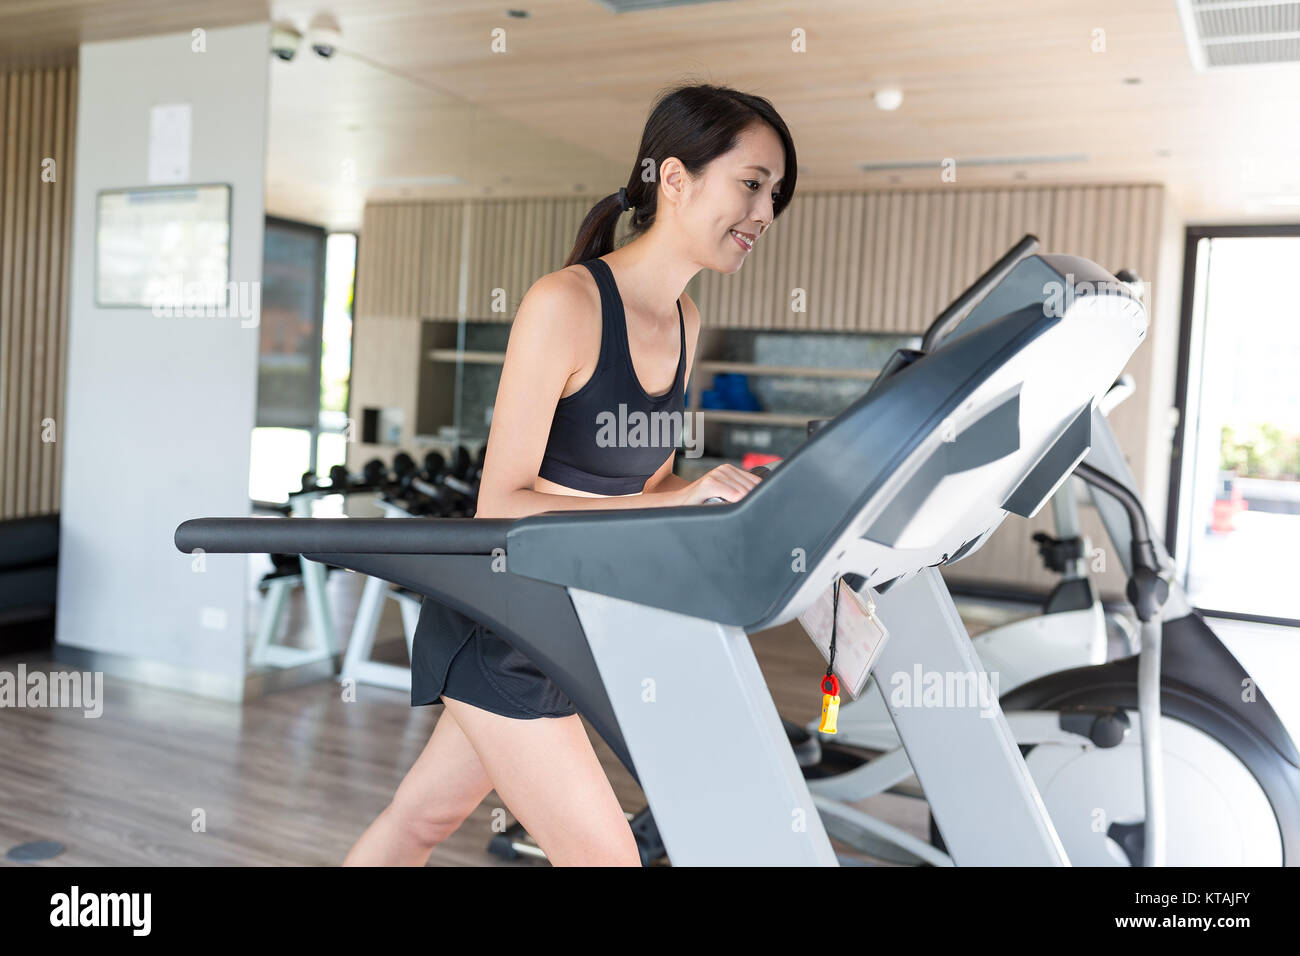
888,98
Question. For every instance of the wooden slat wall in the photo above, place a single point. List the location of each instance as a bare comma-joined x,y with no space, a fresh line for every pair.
890,261
513,243
440,275
37,122
390,260
410,254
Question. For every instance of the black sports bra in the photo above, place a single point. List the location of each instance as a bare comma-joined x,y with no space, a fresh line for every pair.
610,436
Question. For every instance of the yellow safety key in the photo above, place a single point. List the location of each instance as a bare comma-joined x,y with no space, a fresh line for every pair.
830,703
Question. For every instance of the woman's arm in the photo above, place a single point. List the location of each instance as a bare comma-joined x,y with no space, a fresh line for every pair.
671,482
524,501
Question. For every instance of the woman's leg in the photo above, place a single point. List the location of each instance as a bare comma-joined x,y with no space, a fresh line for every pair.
547,773
443,787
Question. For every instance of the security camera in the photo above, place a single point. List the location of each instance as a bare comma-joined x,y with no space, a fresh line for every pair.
325,42
284,41
324,36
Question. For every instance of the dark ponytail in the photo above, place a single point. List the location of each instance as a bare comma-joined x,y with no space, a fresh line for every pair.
696,124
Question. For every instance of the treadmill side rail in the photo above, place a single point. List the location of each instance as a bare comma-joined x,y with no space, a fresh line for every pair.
744,804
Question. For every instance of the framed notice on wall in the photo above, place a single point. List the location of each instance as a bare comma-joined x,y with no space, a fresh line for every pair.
165,246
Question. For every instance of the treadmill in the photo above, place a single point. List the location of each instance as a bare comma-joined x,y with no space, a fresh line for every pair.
642,615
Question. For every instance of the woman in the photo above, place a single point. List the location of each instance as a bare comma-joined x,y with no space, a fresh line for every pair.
611,328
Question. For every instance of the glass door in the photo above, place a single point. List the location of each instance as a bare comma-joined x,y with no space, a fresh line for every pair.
1234,519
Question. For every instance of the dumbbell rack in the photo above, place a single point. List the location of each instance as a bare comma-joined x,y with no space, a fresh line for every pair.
323,641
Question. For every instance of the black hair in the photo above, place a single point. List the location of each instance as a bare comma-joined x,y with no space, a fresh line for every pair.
696,124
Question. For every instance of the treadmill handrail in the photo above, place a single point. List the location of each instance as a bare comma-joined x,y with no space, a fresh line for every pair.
342,535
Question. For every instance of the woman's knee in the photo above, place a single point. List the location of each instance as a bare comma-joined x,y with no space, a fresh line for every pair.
445,785
426,822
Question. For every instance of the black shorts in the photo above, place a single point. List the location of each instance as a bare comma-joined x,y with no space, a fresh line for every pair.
456,656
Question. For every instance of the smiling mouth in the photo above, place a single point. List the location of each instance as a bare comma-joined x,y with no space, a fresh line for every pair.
745,240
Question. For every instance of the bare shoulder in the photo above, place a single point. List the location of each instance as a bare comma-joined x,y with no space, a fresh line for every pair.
563,300
556,293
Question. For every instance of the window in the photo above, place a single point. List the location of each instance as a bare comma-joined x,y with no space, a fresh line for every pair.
304,356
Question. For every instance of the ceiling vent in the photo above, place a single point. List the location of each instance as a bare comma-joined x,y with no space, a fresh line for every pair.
974,161
1228,33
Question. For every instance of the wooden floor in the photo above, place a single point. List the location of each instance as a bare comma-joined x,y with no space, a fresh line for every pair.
293,778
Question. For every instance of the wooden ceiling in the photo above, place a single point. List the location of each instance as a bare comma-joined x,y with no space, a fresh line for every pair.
419,102
31,28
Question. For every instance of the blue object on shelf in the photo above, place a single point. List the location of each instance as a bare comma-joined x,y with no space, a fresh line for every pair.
733,390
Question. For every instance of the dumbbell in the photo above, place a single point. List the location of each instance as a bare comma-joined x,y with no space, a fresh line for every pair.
458,477
374,474
401,487
460,462
440,501
402,464
340,480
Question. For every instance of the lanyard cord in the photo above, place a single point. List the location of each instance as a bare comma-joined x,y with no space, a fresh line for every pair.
835,613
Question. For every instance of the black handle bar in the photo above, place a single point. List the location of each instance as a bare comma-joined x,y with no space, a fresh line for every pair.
342,535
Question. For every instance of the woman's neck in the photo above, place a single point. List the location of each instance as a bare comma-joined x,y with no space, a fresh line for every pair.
651,274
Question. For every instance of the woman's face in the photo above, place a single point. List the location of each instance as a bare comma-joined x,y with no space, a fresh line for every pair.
735,193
